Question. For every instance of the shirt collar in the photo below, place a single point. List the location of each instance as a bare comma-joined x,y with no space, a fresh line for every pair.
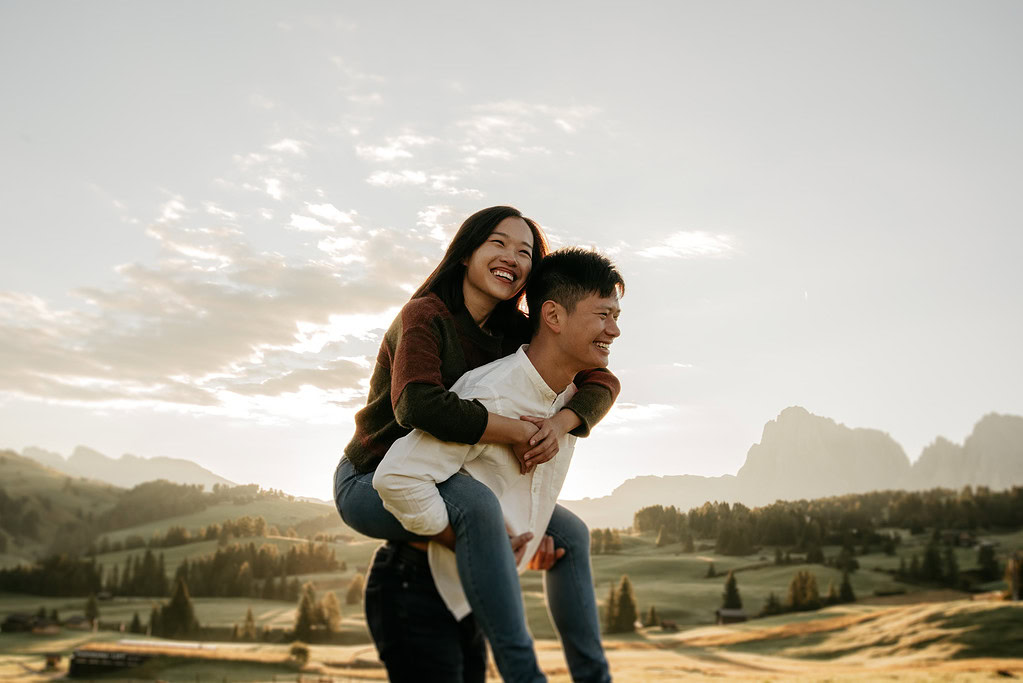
538,382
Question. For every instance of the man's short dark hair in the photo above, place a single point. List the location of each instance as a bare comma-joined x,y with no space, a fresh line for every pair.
567,276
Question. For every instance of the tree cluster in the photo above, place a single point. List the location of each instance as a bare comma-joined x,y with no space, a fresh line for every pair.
176,619
937,566
852,520
243,570
605,541
18,517
323,614
57,575
143,574
622,610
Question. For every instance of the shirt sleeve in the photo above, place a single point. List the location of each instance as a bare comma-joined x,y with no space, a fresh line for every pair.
598,389
407,479
418,396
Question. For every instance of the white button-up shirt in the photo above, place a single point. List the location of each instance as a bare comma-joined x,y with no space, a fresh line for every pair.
408,475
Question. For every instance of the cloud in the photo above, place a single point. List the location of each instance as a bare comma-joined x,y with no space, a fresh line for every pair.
273,188
289,145
691,244
392,179
331,213
396,148
181,333
430,218
624,418
308,224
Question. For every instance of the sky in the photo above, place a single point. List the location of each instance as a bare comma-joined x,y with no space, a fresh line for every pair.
209,212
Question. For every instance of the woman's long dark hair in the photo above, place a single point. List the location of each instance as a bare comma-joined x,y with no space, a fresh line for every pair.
446,279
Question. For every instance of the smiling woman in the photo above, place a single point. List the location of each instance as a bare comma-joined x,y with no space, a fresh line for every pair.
466,314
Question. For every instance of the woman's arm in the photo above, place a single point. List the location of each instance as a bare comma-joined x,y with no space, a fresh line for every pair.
422,340
598,389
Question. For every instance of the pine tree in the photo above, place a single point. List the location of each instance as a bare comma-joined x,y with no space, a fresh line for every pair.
931,568
687,543
651,618
832,596
711,573
951,567
914,567
772,606
989,569
596,542
330,607
803,593
612,610
136,624
178,616
625,619
305,617
155,626
779,559
92,609
731,598
845,593
353,596
1014,576
249,630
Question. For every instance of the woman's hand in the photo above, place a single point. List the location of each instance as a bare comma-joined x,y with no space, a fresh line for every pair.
545,443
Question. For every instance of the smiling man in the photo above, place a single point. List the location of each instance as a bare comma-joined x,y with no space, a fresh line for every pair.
424,627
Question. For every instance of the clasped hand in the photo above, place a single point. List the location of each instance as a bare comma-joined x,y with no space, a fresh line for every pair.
541,445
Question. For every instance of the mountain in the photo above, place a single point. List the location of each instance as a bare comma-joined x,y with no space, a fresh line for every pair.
126,471
803,456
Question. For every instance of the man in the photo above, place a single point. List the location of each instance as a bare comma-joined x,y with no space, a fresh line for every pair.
413,597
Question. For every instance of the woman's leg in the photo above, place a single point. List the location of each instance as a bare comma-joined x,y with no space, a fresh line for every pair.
360,507
486,567
486,564
568,586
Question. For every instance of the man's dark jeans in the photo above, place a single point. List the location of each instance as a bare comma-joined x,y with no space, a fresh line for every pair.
416,636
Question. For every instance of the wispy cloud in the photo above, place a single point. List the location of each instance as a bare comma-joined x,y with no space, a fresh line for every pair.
691,244
289,145
629,417
392,178
398,147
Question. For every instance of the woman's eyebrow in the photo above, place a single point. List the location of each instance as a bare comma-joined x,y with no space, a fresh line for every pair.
508,237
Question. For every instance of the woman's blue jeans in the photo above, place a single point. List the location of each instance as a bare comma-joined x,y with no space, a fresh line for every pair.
486,567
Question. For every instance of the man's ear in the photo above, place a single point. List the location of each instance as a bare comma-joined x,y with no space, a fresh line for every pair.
552,314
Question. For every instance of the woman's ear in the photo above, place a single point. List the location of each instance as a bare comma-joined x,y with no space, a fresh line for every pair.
552,314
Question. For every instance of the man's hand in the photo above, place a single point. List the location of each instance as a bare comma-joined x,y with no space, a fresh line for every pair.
546,555
518,544
446,538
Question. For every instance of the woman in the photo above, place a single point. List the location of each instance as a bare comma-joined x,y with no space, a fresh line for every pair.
466,314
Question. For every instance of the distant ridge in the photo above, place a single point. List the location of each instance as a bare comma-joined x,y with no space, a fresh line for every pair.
804,456
126,471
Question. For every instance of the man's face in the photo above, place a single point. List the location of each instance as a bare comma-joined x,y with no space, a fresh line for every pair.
590,329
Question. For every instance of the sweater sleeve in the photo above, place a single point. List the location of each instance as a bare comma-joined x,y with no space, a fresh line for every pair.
418,396
598,389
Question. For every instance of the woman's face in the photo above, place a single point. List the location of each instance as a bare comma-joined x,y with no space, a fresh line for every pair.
498,269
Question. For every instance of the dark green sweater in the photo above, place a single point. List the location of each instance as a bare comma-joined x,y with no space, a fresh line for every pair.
424,351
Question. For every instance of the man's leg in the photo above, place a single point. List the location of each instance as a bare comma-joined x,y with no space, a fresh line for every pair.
570,599
416,636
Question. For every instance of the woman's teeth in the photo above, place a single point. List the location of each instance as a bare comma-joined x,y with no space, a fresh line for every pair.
504,275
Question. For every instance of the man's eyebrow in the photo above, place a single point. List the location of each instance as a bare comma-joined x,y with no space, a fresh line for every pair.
508,237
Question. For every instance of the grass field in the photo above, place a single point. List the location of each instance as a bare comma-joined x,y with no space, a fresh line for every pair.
952,641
